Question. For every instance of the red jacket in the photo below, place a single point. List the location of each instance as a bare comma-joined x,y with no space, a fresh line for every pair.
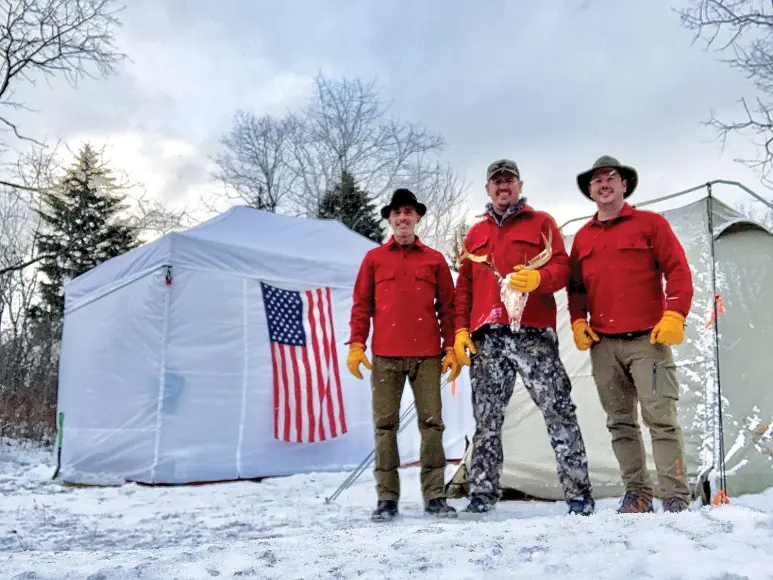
618,269
516,241
409,293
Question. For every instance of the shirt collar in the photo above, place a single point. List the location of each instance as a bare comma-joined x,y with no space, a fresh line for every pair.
417,243
625,212
517,207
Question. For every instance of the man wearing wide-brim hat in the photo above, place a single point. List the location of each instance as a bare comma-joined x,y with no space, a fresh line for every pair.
398,286
619,311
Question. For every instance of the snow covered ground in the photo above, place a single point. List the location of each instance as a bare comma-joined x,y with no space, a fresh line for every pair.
283,529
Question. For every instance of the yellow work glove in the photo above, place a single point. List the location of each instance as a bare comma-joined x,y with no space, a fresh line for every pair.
524,280
450,361
462,342
584,337
670,329
355,357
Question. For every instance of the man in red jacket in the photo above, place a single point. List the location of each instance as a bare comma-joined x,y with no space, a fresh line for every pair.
510,235
407,288
620,312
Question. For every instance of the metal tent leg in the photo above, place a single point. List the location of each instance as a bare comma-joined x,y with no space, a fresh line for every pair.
405,420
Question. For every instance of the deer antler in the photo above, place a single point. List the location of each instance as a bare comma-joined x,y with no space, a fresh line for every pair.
467,255
544,256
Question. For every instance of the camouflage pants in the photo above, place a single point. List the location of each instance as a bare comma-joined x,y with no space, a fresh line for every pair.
533,354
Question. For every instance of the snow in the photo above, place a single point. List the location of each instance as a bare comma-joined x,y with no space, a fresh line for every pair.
282,528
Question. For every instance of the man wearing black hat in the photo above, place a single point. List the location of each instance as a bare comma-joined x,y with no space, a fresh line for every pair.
407,289
620,311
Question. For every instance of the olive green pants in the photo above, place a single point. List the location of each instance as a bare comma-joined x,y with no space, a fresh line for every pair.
631,370
387,383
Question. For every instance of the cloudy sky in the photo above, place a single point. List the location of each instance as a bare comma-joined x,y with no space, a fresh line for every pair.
552,85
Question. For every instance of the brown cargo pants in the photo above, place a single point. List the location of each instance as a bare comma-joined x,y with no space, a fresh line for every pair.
627,370
387,383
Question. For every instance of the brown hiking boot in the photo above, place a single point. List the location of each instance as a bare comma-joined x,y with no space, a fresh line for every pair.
674,504
634,503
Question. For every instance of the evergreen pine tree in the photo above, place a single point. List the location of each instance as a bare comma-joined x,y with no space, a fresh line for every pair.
350,205
81,229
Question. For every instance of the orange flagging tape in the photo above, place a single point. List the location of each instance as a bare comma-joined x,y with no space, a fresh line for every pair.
721,497
453,389
720,308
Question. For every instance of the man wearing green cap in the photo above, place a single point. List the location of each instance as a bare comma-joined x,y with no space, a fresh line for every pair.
510,235
620,311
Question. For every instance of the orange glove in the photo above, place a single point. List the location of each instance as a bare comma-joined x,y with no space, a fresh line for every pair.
462,342
355,357
584,337
524,280
449,361
670,329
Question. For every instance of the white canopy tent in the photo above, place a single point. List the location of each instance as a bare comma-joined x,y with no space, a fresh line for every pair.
743,259
166,367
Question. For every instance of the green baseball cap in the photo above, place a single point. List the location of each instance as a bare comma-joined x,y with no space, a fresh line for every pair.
502,165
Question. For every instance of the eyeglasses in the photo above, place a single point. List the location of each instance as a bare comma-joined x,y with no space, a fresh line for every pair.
610,176
500,180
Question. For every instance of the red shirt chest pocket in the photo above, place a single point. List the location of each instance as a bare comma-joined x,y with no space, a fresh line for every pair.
518,247
588,260
424,283
478,245
385,285
634,255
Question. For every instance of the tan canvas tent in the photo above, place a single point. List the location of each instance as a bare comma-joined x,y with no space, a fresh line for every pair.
743,278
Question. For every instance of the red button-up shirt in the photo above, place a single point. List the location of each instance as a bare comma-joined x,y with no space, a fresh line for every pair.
409,293
517,240
618,268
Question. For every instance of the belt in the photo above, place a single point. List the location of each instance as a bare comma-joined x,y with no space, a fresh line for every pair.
625,335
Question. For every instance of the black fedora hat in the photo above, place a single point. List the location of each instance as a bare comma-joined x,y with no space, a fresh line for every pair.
402,197
626,172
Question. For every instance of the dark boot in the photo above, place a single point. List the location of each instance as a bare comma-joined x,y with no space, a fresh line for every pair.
582,506
439,507
385,511
674,504
634,503
480,504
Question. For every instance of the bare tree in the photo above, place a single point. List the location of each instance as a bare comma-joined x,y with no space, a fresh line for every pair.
346,126
64,38
444,194
743,29
257,158
289,164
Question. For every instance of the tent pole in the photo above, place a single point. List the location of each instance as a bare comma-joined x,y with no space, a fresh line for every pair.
162,370
707,185
245,374
405,418
715,296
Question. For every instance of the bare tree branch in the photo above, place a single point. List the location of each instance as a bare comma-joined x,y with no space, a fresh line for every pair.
743,29
289,164
54,37
444,194
347,126
256,159
153,219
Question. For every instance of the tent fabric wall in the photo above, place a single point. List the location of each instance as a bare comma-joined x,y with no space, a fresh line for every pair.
166,373
743,254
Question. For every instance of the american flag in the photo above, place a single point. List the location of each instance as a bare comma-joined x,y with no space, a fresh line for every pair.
308,403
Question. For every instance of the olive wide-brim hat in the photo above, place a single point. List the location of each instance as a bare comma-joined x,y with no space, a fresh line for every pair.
626,172
400,198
